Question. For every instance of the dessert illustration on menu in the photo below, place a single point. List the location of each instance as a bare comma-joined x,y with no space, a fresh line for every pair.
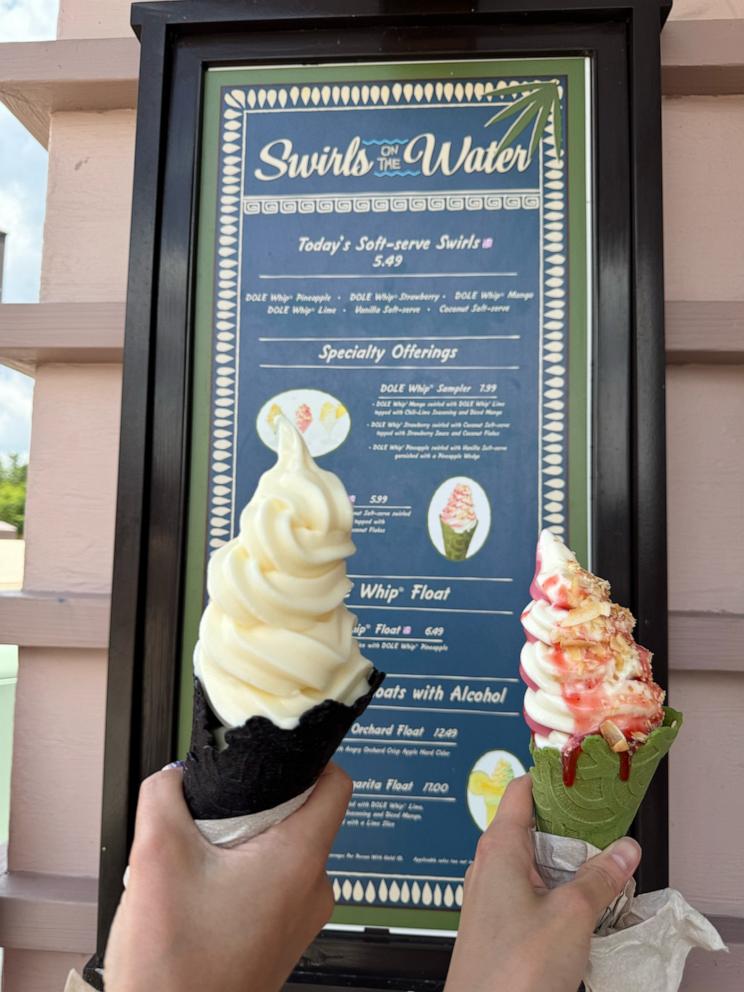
303,417
321,418
599,726
330,414
279,676
491,788
275,411
458,521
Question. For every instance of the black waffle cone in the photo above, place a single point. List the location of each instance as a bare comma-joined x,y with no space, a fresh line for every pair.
262,766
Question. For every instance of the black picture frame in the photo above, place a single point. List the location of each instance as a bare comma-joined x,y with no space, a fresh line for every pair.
179,39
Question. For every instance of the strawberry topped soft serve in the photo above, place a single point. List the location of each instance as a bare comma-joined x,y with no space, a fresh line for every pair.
584,672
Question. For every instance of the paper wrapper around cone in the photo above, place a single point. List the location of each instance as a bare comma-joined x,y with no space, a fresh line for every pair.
598,808
641,943
456,544
264,773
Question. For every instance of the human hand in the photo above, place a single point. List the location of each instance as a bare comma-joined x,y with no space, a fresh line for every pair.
198,917
515,933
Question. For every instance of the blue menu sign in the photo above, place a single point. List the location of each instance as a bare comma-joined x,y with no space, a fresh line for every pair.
395,257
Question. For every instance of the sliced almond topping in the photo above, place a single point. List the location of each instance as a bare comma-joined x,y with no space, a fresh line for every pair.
614,736
583,614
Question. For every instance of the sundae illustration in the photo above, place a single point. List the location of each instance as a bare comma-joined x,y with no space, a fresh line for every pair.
303,417
599,727
458,521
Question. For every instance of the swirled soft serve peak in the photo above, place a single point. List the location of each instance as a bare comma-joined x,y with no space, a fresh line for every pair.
279,676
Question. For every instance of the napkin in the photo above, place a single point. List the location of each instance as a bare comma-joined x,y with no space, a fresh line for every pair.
640,942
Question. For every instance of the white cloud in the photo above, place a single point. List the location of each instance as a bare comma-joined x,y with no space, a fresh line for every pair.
22,203
16,395
22,219
28,20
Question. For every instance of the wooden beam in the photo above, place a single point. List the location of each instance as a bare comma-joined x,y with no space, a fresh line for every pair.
706,642
32,333
48,912
39,78
702,58
55,620
709,331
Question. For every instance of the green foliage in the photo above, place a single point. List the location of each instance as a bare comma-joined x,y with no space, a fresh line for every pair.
13,491
538,102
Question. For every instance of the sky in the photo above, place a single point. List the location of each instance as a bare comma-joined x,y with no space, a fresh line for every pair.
23,175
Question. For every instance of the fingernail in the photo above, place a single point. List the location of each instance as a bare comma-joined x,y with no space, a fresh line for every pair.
172,765
626,852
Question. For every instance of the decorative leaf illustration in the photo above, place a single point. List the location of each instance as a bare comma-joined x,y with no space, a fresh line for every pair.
599,807
540,102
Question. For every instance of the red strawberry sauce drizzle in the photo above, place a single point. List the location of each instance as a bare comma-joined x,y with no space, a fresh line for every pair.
584,715
625,757
570,759
550,591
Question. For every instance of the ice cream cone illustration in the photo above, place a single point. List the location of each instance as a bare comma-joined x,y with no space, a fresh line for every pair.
599,727
458,521
279,675
303,417
491,787
275,411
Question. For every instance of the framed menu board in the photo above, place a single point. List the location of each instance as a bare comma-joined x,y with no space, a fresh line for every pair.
432,241
395,256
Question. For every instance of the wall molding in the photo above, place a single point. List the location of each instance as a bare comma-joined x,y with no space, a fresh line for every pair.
55,619
698,641
58,913
48,912
699,331
704,331
702,57
32,333
39,78
706,642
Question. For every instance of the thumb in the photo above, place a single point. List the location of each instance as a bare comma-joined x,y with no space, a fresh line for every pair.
162,814
602,878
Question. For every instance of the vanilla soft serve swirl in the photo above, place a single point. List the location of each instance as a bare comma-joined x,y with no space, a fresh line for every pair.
276,638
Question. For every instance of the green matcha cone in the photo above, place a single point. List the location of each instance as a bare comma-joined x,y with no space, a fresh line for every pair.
456,545
598,807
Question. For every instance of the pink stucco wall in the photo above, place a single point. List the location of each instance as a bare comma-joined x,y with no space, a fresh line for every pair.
59,721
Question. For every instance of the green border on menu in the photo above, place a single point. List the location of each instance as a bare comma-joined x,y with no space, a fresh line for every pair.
579,195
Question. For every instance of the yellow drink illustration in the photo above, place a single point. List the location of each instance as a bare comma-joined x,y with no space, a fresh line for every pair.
491,787
330,414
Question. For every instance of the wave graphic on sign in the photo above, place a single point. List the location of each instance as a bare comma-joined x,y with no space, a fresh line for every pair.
398,172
